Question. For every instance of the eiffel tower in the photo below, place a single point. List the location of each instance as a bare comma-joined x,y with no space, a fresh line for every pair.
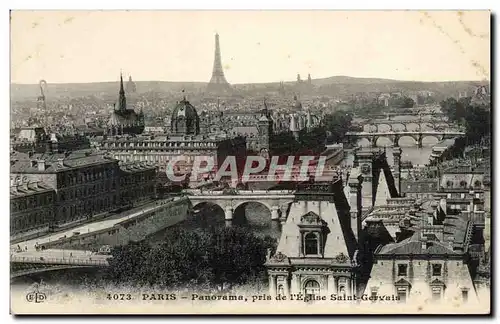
218,82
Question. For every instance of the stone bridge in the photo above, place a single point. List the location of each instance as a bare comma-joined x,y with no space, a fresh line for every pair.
276,201
376,124
414,113
418,136
22,264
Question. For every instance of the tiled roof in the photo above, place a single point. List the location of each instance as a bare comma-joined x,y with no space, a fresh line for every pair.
136,167
26,189
414,246
22,162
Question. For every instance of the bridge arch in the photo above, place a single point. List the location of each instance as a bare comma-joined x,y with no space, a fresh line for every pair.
370,127
413,126
425,139
364,141
387,127
206,214
246,202
428,125
406,137
401,124
260,213
387,139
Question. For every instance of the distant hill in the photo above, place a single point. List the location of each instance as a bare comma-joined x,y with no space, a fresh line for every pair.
342,79
335,85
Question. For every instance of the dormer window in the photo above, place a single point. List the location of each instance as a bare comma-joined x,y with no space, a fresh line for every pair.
312,229
311,244
402,269
436,269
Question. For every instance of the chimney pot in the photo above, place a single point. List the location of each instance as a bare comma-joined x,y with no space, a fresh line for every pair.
41,165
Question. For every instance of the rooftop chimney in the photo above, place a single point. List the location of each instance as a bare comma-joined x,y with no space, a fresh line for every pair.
425,243
41,165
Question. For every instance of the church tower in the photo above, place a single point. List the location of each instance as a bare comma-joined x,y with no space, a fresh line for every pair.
218,82
131,87
122,101
265,129
41,103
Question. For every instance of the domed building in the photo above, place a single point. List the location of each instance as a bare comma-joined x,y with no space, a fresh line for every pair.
178,149
185,119
123,120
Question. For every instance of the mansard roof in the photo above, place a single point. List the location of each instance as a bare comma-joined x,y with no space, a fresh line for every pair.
332,214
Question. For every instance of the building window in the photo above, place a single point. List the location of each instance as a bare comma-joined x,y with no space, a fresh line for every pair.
465,295
281,290
311,244
402,269
311,289
463,184
374,295
477,184
436,269
402,294
342,291
436,293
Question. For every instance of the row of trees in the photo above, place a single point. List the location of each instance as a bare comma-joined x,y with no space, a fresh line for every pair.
333,129
474,116
376,107
213,258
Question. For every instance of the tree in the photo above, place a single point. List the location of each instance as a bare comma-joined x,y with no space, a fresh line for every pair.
474,115
370,109
337,124
213,257
402,102
453,109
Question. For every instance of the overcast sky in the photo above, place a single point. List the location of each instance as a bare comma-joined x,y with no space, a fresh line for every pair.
256,46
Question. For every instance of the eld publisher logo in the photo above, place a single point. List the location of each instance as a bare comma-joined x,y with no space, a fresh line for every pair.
36,297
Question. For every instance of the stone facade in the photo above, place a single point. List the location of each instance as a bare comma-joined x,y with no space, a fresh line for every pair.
137,183
160,150
86,184
441,277
31,208
317,254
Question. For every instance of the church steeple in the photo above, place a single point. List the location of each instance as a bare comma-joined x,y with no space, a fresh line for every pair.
122,101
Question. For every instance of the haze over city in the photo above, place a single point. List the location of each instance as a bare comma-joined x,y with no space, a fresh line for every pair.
256,46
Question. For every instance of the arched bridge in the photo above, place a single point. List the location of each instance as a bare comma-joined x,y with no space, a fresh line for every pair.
277,201
396,136
27,263
395,125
